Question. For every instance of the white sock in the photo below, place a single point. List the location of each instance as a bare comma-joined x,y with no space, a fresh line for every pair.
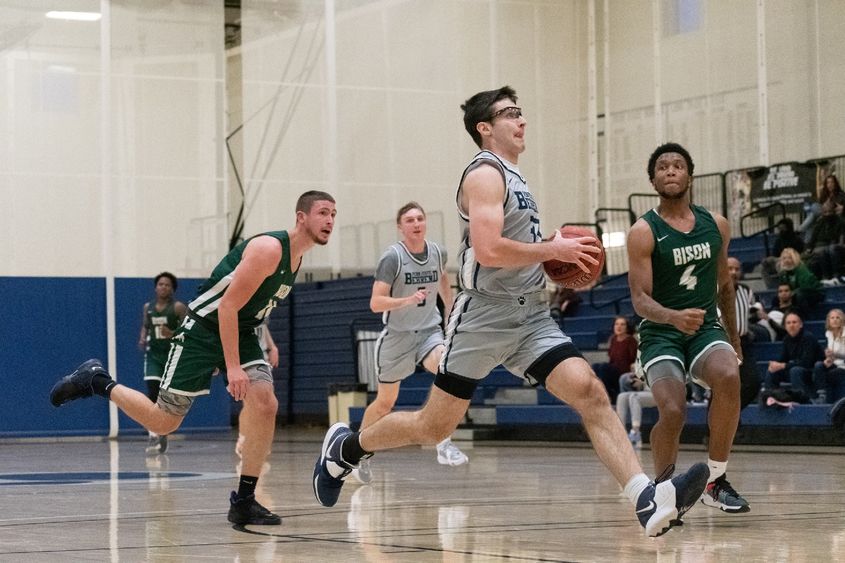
635,487
444,443
717,469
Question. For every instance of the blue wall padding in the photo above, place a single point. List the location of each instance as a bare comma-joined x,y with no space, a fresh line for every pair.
50,325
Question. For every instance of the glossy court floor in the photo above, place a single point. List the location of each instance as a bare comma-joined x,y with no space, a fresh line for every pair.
106,501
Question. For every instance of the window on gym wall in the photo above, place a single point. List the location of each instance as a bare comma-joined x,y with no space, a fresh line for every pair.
681,16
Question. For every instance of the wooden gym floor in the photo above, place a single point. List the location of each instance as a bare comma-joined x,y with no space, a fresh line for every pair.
106,501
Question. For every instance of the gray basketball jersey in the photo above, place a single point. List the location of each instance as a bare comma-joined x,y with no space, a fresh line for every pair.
522,223
412,274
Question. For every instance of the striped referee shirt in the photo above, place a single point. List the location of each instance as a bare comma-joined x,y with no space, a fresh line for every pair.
744,300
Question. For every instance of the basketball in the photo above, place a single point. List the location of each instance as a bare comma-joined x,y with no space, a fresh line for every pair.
570,275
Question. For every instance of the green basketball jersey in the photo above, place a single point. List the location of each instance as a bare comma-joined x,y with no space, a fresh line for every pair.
154,320
685,265
272,290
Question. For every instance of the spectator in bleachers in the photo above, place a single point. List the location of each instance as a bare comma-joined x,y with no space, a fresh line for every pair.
806,288
798,356
786,238
749,331
826,244
782,303
563,302
632,402
621,352
633,380
831,192
829,374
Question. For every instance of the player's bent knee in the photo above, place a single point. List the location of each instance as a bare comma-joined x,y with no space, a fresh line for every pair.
672,413
165,422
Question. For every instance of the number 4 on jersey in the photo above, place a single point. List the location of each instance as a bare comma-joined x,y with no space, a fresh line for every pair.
687,279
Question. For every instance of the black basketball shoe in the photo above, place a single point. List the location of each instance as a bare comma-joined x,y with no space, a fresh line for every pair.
78,384
247,511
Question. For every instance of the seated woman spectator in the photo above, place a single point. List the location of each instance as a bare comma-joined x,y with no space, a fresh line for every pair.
786,238
622,353
831,192
806,288
826,244
829,374
797,359
633,402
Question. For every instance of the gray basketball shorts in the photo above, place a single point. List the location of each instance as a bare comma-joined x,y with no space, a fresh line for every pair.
485,332
398,352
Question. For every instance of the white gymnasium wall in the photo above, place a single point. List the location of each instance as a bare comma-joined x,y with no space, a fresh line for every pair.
401,71
163,61
374,118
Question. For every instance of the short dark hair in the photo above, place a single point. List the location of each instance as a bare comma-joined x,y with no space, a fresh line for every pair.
477,109
792,312
787,224
663,149
173,281
407,207
306,200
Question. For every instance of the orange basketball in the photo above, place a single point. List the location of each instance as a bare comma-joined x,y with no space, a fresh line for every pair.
570,275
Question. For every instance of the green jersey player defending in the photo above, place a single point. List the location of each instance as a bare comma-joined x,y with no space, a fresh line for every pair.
219,333
678,272
161,318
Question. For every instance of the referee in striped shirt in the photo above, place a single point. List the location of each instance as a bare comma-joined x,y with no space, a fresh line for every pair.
749,375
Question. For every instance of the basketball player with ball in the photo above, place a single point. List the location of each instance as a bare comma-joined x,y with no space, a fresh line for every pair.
500,317
678,273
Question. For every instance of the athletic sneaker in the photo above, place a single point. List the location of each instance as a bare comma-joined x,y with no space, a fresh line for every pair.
330,469
449,454
363,473
247,511
156,445
662,504
636,438
76,385
719,494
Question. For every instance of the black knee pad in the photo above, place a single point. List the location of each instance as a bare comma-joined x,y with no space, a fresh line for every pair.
456,385
541,368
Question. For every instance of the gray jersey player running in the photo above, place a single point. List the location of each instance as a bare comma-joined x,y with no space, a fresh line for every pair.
219,333
409,276
500,318
678,262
